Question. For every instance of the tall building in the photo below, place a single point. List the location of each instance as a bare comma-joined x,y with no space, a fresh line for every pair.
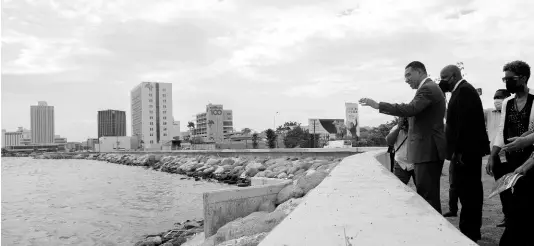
11,138
215,124
42,123
111,123
152,119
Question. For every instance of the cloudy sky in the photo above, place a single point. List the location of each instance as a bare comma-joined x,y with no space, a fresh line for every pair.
303,58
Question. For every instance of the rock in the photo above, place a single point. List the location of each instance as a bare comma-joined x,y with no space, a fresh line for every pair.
210,241
310,181
288,206
227,161
253,240
191,224
197,240
219,170
270,175
251,172
288,192
282,176
213,162
304,165
260,175
176,241
292,170
279,169
323,168
208,170
267,206
255,165
152,241
255,223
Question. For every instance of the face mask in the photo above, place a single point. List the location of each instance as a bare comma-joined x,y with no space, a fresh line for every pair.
512,86
498,104
444,85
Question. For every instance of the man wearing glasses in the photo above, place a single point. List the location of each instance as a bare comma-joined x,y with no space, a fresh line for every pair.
467,143
426,145
517,119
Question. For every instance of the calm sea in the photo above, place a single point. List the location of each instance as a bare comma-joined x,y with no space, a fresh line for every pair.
83,202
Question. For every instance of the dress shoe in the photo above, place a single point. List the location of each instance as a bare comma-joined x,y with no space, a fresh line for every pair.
450,214
503,223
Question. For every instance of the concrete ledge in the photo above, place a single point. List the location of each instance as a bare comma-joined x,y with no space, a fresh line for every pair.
304,152
362,203
256,181
223,206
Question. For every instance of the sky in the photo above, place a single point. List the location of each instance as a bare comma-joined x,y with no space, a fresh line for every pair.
301,58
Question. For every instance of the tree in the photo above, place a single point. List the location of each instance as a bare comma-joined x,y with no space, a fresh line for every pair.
255,139
461,66
191,127
246,131
271,138
287,126
197,140
296,137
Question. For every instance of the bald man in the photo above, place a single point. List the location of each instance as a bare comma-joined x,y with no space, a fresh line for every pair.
467,143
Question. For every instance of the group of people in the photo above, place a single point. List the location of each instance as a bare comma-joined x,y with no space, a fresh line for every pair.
431,130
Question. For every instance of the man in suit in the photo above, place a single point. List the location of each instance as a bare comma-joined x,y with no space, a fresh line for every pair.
467,143
426,137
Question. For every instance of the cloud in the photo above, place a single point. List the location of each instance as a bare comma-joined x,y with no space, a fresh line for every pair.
304,58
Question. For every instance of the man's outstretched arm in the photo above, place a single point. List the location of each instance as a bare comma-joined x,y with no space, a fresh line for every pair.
419,103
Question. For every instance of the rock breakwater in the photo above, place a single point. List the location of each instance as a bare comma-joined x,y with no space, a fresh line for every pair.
233,170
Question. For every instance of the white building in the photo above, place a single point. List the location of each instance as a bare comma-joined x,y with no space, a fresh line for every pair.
215,124
176,130
42,123
152,118
110,144
20,137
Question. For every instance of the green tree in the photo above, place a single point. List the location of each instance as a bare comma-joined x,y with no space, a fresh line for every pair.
296,137
191,126
271,138
246,131
255,140
287,126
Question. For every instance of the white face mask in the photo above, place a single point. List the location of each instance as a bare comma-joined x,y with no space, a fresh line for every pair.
498,104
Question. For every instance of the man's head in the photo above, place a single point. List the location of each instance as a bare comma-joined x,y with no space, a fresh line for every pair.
414,74
449,75
499,96
516,75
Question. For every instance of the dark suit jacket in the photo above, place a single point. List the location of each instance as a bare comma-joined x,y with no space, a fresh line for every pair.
466,127
426,137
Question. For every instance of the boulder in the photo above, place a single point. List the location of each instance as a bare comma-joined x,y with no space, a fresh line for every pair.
227,161
219,170
208,170
292,170
260,175
213,162
304,165
267,206
255,223
288,206
288,192
246,240
270,174
282,176
311,180
251,172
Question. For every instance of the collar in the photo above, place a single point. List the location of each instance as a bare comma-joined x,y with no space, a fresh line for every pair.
422,82
457,84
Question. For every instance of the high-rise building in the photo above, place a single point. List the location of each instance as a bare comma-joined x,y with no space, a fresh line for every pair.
111,123
42,123
152,119
215,124
11,138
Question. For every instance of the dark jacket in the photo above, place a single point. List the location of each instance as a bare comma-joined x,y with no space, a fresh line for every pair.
466,127
426,137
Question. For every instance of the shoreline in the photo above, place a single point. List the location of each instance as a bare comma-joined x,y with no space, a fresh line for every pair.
305,172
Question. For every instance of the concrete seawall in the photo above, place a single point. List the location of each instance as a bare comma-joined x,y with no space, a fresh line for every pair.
271,153
362,203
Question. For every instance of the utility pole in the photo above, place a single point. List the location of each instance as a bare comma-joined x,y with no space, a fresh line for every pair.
313,143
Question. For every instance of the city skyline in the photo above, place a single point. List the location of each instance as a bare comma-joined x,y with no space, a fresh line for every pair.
302,59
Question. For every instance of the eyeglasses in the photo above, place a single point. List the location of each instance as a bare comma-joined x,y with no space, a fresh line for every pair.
513,78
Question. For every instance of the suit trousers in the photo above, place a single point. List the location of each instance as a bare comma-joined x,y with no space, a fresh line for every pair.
468,181
427,179
499,170
453,194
